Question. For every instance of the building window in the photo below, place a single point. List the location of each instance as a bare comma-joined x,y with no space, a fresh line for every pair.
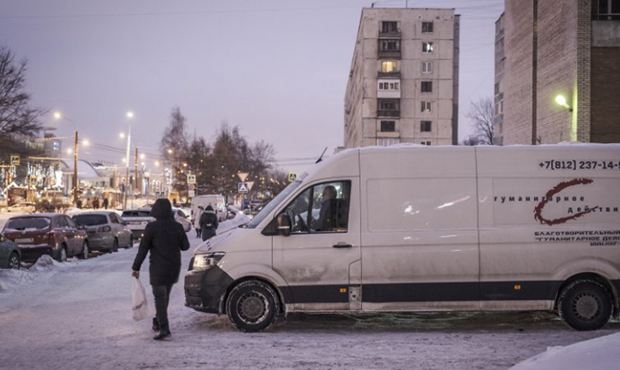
427,67
389,45
426,86
388,126
427,47
607,10
426,126
387,141
425,143
389,27
389,66
394,86
388,104
425,106
427,27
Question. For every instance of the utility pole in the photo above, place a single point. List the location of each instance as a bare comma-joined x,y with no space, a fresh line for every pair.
127,182
75,169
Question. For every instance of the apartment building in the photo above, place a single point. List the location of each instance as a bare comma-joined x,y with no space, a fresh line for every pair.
403,82
556,71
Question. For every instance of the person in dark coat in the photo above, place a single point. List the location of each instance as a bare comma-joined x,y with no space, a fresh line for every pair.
164,238
208,223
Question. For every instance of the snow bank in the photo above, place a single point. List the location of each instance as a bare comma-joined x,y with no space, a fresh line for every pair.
599,353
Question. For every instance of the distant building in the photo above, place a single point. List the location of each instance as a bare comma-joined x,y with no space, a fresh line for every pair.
52,145
546,48
403,82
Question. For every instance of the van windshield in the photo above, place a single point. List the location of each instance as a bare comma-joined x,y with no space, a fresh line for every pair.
273,204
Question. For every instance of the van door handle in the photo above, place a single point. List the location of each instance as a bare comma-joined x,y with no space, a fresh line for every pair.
342,245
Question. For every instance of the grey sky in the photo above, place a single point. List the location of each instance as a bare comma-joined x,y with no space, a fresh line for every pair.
276,68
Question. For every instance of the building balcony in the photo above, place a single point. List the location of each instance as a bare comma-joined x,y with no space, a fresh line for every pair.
389,54
388,74
388,113
389,34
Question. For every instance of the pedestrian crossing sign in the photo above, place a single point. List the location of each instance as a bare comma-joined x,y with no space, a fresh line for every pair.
242,187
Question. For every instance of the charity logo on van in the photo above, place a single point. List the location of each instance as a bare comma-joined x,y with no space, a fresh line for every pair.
550,196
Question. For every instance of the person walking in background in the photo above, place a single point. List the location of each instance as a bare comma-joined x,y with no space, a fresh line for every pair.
96,203
197,217
164,239
105,203
208,223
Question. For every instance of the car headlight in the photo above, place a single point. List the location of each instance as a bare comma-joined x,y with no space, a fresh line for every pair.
205,261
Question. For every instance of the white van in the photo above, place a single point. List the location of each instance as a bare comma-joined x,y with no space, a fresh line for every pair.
217,201
417,228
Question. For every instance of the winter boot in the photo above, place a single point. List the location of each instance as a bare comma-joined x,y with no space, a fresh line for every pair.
155,324
163,334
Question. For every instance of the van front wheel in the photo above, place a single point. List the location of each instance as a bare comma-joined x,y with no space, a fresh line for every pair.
252,306
585,305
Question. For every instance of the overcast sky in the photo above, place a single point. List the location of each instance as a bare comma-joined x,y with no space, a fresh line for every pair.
278,69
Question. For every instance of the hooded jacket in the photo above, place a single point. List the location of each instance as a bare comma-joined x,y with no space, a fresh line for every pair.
164,238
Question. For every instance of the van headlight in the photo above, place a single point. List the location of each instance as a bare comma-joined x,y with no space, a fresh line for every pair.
205,261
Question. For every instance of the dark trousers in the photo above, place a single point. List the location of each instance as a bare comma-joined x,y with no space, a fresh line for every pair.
162,296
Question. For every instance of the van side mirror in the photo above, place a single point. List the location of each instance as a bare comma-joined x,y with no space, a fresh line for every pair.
284,224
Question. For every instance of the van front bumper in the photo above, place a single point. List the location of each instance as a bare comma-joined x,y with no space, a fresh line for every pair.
205,290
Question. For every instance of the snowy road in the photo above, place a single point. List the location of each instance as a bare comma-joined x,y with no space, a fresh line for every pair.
76,315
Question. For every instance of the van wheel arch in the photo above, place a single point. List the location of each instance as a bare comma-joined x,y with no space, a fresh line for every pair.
282,311
591,276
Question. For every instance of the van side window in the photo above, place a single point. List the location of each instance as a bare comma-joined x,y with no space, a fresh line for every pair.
321,208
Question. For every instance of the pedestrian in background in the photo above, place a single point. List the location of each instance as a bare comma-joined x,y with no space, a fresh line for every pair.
164,239
208,223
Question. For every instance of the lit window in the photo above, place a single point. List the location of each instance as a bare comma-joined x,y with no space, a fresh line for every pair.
427,27
388,66
425,106
427,47
427,67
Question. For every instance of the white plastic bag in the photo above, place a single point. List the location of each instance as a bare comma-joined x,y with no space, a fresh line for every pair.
139,309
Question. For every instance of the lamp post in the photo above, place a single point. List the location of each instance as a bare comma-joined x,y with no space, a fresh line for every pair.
129,116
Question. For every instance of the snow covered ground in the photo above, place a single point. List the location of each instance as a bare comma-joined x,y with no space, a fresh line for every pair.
76,315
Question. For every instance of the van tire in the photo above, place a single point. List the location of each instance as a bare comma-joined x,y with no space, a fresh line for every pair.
252,306
585,305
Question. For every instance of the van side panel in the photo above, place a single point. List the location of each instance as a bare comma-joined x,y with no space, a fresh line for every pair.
419,229
546,214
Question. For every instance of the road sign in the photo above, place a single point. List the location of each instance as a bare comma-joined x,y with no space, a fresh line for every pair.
249,184
242,187
191,193
242,176
191,179
14,160
292,176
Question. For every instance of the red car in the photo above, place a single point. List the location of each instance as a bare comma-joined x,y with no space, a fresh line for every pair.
47,233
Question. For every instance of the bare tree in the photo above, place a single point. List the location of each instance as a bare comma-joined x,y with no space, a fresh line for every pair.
17,116
482,115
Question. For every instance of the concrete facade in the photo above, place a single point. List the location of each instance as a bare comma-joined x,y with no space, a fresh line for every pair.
551,48
399,55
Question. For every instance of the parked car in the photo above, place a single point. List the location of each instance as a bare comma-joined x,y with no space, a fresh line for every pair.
137,220
105,229
47,233
10,257
181,217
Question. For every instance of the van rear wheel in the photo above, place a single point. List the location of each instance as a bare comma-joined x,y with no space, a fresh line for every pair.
252,306
585,305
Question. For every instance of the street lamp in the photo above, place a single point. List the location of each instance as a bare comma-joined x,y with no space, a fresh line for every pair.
561,101
129,116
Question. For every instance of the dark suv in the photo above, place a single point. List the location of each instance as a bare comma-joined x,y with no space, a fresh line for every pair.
46,233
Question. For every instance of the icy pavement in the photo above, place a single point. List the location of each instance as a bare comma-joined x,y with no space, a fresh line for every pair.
76,315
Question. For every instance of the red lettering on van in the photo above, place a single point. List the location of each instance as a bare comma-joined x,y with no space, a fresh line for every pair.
549,196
